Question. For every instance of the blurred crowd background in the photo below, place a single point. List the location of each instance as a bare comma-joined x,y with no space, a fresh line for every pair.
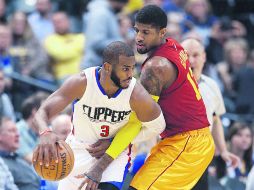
43,42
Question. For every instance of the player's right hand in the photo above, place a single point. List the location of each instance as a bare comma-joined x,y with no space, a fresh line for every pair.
46,149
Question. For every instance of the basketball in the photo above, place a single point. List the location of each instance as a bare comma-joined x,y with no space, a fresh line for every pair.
57,171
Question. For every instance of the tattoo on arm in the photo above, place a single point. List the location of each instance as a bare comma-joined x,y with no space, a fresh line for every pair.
150,80
95,173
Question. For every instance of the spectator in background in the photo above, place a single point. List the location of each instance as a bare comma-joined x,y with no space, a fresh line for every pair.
24,176
3,19
240,139
250,180
28,135
62,126
133,6
174,31
173,5
243,86
236,56
199,17
33,60
101,28
6,107
8,64
40,20
126,29
64,48
159,3
240,143
214,104
6,61
221,32
6,178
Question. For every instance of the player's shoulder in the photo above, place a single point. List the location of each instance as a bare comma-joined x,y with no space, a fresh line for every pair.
158,64
81,76
75,84
78,80
139,92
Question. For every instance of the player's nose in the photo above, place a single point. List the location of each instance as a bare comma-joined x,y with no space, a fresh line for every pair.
130,74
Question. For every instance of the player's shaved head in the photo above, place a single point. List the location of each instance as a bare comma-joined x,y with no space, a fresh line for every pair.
114,50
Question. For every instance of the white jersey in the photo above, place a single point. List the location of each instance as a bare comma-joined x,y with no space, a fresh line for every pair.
212,97
95,115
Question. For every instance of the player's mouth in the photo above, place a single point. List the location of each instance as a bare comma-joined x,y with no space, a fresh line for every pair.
140,46
128,81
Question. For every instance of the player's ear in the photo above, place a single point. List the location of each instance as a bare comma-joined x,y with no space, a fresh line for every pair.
163,32
107,67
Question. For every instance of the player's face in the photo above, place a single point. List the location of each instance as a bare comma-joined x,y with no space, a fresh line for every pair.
197,57
122,73
147,37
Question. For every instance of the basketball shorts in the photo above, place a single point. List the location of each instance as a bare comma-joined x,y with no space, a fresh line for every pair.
177,162
84,161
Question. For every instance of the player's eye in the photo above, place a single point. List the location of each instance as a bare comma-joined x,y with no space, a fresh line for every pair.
136,30
146,32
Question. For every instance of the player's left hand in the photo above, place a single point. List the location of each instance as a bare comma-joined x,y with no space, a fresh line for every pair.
99,148
91,179
230,158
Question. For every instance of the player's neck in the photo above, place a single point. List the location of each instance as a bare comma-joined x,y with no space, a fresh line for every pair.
107,84
154,48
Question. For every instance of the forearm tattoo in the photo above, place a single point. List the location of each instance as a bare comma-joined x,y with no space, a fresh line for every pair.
96,172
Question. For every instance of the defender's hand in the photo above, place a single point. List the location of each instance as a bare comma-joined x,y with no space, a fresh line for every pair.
91,179
94,175
99,148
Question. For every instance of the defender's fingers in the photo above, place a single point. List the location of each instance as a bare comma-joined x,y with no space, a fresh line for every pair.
89,185
82,184
96,144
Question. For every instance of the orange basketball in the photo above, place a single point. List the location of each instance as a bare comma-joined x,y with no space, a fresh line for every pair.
57,171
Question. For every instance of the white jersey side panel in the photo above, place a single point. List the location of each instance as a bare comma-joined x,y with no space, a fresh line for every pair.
95,115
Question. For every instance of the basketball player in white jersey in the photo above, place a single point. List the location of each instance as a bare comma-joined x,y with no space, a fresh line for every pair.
104,99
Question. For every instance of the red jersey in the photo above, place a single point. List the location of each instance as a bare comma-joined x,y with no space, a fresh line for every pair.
181,103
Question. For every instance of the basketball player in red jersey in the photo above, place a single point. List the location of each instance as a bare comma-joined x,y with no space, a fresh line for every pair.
187,147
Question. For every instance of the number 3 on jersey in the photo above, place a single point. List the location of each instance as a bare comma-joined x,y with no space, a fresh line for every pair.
104,131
